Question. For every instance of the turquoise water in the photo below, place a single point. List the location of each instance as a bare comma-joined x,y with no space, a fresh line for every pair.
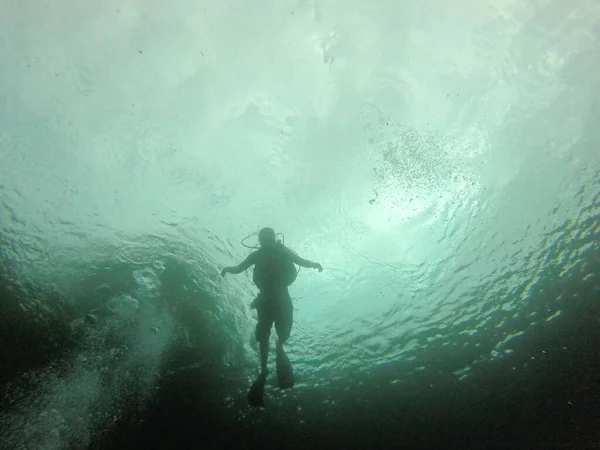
439,161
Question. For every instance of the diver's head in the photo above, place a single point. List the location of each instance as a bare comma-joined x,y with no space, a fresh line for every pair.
266,237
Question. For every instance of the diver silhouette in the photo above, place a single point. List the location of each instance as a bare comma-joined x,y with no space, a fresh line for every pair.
274,271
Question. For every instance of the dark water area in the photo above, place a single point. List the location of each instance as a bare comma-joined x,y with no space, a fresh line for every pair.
104,394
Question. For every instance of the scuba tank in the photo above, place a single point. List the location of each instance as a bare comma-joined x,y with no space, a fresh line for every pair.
274,264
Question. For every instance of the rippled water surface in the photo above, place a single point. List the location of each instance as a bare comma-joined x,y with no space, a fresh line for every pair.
440,160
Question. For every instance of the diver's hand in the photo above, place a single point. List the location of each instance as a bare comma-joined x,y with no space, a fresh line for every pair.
224,271
318,266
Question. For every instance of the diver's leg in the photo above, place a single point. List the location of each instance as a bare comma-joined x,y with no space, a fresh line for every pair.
284,321
263,333
264,355
279,351
283,326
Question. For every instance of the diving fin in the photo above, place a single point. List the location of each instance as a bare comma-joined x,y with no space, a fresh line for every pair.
285,372
256,393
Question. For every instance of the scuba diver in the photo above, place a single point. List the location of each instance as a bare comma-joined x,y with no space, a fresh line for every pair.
274,271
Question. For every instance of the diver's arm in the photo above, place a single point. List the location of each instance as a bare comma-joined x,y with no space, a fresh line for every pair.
305,262
240,267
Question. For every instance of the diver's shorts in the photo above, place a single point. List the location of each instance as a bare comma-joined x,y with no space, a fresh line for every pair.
279,312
